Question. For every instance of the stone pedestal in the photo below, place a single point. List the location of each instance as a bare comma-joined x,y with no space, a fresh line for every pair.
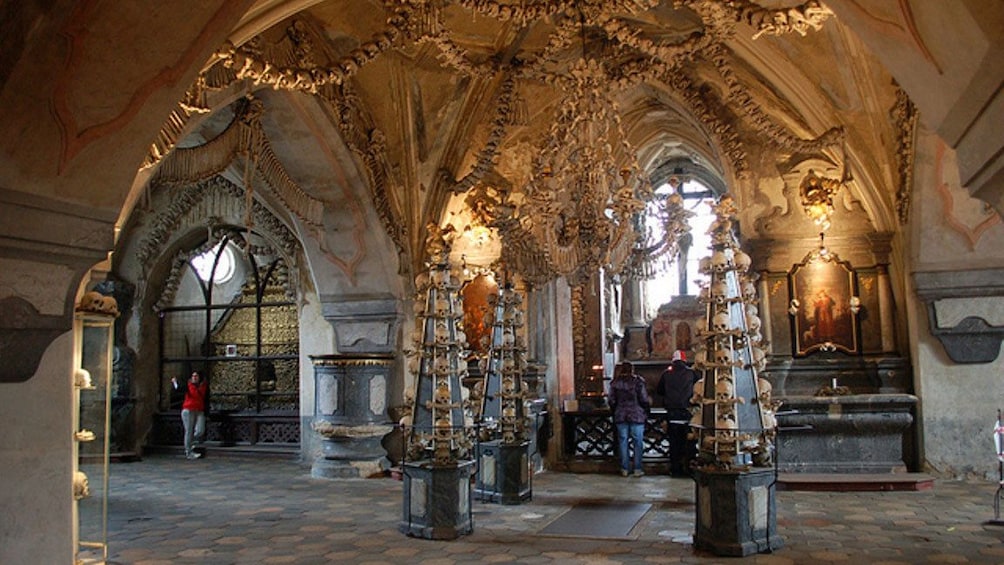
350,414
437,500
736,512
504,473
858,433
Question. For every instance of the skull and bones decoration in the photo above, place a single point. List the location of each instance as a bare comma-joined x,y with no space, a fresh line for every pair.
721,323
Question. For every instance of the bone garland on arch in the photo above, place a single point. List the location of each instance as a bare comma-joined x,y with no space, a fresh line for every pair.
905,116
369,144
184,257
244,136
185,200
797,19
722,130
775,133
422,22
504,111
246,63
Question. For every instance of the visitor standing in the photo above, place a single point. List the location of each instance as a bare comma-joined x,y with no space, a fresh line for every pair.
630,403
193,412
676,386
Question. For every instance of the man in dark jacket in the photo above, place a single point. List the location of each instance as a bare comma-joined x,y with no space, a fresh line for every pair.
676,386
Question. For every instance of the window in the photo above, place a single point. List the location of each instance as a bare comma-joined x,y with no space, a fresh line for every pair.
224,265
659,290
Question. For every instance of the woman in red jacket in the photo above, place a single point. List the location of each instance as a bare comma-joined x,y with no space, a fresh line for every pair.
193,411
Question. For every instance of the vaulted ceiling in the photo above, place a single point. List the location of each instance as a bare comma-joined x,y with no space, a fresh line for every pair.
406,103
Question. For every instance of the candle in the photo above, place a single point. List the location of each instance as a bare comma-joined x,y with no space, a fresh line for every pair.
833,383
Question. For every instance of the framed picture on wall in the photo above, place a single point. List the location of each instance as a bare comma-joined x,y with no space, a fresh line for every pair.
821,292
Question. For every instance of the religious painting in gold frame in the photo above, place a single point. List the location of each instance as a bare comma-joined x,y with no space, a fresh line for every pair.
822,320
478,315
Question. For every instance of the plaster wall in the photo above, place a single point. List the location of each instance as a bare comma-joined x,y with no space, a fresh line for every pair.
317,337
36,524
950,230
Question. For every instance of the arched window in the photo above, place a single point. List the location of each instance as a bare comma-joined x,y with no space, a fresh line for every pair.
680,275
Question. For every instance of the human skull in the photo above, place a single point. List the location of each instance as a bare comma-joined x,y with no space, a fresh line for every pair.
108,305
81,487
720,261
719,291
695,418
704,265
742,261
701,325
442,366
700,356
90,301
442,306
749,291
698,396
753,324
720,323
723,357
439,277
82,377
726,426
764,387
759,359
704,295
724,390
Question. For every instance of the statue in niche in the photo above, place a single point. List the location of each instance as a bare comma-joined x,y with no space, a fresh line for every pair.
683,337
661,334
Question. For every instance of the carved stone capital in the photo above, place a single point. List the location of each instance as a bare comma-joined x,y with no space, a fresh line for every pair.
363,324
966,311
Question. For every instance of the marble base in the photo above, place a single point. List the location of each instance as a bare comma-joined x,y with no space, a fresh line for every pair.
504,473
356,452
736,512
437,500
335,469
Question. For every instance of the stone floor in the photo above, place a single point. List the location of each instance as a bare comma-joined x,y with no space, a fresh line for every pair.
169,510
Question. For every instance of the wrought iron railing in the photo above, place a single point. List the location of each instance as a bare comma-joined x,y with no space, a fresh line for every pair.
592,435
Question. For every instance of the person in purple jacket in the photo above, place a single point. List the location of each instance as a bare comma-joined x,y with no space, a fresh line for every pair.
630,403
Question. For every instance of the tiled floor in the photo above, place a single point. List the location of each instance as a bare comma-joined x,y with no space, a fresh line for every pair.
169,510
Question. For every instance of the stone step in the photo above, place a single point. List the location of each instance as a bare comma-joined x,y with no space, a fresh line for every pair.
854,482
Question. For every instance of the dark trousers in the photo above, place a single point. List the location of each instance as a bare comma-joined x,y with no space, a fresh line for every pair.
681,450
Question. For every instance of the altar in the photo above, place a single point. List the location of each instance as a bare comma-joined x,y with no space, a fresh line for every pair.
857,433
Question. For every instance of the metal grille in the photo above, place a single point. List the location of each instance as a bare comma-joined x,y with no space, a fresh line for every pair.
594,436
224,429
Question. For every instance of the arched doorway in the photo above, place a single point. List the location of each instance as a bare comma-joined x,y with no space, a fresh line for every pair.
232,316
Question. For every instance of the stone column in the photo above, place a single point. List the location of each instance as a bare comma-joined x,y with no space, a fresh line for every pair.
885,311
633,318
350,413
351,395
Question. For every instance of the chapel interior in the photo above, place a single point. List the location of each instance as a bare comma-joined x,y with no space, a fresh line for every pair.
268,191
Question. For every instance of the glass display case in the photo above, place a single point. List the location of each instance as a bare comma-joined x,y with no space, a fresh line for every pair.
92,386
